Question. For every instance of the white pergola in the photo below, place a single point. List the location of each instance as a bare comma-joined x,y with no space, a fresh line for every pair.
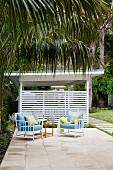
53,103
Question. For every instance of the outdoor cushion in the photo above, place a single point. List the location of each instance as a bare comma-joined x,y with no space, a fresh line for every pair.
81,116
63,120
21,120
71,113
31,120
21,117
74,118
69,116
67,126
71,126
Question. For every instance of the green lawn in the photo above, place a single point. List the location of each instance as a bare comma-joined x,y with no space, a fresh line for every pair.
106,115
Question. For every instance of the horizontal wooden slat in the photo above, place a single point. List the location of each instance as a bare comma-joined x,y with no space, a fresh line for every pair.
53,104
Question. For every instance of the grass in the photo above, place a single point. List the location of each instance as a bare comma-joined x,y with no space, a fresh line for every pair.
106,115
111,134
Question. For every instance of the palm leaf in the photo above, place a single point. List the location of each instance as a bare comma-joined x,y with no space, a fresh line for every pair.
53,33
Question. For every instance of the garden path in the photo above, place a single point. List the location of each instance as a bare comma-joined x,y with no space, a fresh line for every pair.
103,125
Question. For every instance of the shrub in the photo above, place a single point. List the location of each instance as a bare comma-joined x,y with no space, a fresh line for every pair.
8,101
93,110
89,125
4,119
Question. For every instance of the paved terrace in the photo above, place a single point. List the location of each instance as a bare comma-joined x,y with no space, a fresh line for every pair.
94,151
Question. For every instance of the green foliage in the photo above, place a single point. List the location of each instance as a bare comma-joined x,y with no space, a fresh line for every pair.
4,119
10,126
7,111
104,84
109,46
79,87
94,110
38,88
4,138
29,34
8,103
10,88
109,61
110,107
89,125
10,95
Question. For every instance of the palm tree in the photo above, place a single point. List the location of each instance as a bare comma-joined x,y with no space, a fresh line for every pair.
61,27
105,24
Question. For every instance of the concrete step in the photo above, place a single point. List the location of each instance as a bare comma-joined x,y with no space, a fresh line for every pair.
103,125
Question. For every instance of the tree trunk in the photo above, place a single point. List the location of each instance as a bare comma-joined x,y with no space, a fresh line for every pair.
90,94
1,96
102,35
101,44
90,81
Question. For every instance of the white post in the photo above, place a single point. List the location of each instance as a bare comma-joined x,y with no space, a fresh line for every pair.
20,98
68,96
69,88
87,83
43,114
65,102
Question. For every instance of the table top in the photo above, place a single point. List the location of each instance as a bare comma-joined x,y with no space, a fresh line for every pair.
47,122
42,120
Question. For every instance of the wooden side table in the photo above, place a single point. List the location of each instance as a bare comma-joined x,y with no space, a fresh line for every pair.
41,121
45,125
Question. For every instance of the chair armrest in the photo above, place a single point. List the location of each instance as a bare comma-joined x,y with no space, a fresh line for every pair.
25,122
79,120
25,125
79,123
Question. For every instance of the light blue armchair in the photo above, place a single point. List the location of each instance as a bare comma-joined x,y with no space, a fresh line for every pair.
73,123
26,129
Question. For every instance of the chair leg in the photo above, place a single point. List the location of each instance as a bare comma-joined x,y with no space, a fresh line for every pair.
83,131
33,135
42,133
24,134
58,131
16,132
75,133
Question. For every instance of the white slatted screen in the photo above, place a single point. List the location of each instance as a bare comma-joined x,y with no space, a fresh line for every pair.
53,104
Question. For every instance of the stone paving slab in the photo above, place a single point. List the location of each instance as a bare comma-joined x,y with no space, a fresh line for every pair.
103,125
93,151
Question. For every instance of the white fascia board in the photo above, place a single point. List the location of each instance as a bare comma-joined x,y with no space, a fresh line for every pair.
58,76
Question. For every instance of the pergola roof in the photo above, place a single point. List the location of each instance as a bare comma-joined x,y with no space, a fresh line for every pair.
52,79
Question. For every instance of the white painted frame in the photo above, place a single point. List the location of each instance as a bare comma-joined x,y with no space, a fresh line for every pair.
54,104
